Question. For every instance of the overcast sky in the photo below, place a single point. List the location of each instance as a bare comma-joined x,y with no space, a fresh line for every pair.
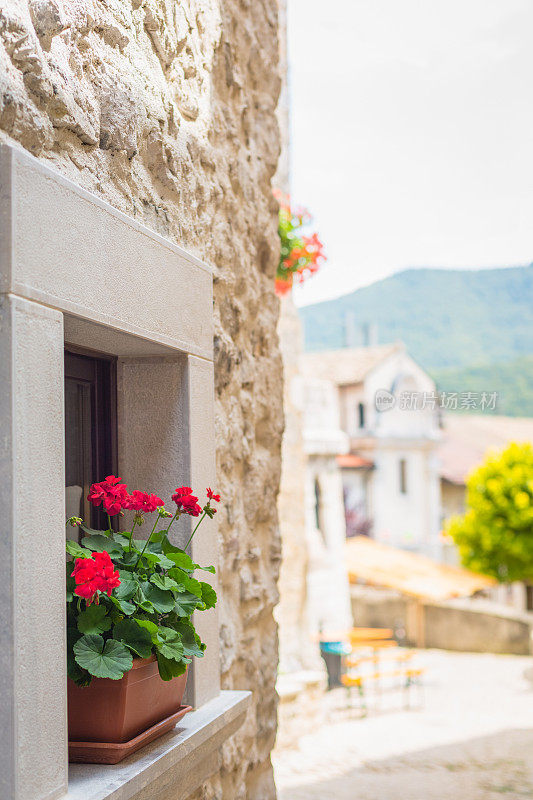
412,134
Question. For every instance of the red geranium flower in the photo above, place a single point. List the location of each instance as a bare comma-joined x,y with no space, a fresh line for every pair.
142,501
186,502
212,496
152,502
189,505
110,493
93,575
181,492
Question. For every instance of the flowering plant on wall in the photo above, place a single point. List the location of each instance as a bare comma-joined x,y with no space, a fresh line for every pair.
301,255
129,597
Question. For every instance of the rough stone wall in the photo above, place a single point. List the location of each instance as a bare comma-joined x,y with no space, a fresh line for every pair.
166,109
296,647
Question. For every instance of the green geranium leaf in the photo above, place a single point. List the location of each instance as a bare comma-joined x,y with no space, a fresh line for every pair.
163,582
142,601
151,547
128,558
186,583
128,586
158,536
98,543
134,636
168,668
167,634
70,582
163,561
211,569
158,558
209,596
193,586
109,659
127,608
172,650
74,671
185,604
120,539
180,559
179,576
93,531
150,626
192,644
76,550
94,620
162,601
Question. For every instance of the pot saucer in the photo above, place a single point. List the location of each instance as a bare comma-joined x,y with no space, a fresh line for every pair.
113,752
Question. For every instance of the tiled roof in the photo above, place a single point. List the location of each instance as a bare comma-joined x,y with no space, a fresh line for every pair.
348,365
466,438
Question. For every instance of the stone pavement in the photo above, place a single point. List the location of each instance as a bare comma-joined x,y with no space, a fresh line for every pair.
471,740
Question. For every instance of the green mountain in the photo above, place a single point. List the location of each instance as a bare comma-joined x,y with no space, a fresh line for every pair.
464,327
513,382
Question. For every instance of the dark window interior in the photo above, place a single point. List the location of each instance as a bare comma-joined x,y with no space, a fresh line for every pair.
403,476
529,597
318,509
90,430
361,415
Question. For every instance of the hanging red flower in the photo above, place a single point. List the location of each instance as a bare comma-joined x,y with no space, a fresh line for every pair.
301,256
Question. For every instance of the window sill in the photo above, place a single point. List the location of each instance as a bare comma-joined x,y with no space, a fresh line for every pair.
183,758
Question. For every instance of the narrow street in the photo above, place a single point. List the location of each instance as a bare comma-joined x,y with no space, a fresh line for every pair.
471,740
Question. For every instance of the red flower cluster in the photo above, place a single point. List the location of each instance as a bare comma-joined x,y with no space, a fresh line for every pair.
301,262
186,502
301,256
114,497
93,575
110,493
142,501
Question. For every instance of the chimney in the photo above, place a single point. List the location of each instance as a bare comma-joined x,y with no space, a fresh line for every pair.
350,330
369,333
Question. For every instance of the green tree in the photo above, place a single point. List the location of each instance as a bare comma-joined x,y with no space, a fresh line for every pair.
495,536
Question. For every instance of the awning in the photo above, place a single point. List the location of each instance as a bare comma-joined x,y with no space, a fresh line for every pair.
354,461
412,574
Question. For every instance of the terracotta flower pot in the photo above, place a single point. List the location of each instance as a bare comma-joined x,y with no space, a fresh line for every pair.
118,711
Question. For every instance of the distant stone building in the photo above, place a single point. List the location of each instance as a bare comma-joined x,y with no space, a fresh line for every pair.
389,412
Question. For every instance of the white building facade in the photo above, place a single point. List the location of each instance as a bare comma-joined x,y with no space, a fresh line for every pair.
389,412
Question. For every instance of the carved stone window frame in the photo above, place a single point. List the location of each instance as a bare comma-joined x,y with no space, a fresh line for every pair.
75,270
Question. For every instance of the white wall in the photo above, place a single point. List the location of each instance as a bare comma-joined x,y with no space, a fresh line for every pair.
409,519
328,594
328,597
